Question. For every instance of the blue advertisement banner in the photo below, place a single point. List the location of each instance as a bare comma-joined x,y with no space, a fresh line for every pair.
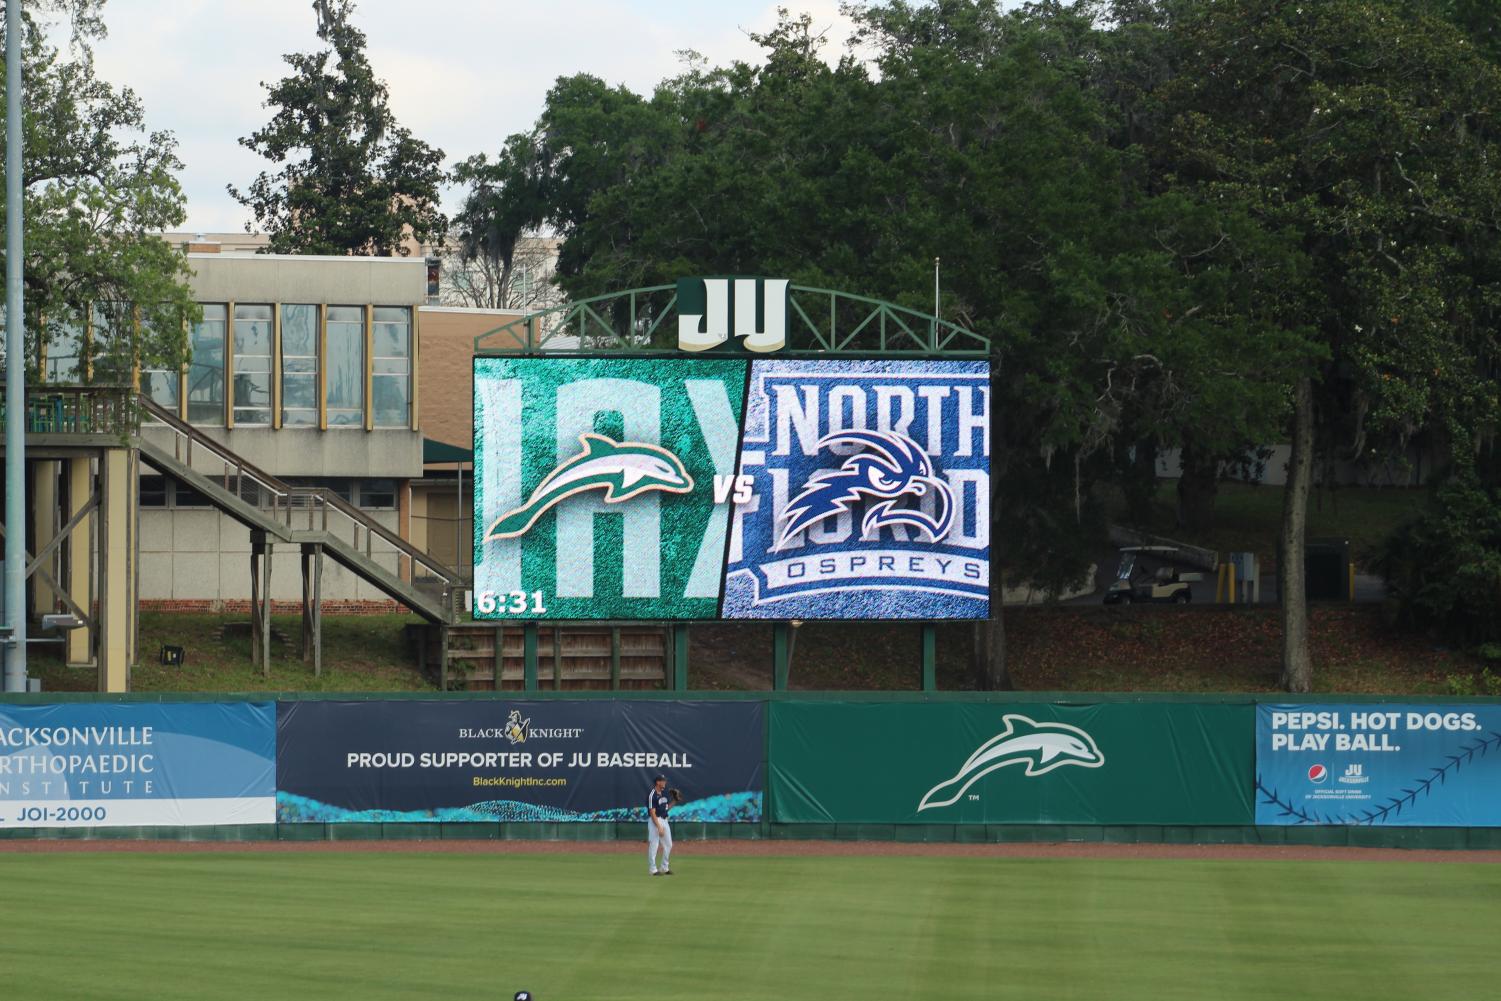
576,761
138,764
1378,764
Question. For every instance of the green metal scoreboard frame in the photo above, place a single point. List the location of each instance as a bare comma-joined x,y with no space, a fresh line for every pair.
731,449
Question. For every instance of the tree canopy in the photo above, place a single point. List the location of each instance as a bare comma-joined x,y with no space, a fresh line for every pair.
1206,225
349,179
99,190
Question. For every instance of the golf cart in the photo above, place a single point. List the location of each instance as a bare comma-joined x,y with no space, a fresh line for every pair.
1146,574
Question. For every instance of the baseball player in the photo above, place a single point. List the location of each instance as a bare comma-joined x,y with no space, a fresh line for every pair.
658,830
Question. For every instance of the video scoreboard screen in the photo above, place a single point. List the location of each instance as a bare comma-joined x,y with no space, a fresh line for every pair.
728,488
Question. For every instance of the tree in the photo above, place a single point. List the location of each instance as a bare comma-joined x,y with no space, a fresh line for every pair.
1480,20
1119,311
1367,130
524,282
99,190
502,261
350,179
1125,310
1443,567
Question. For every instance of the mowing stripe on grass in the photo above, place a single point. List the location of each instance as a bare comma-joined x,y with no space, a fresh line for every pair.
590,928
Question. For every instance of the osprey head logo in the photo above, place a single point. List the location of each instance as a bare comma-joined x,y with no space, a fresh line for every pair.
1040,746
517,728
891,467
622,469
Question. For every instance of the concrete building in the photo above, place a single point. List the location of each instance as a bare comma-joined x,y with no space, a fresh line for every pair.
218,243
307,368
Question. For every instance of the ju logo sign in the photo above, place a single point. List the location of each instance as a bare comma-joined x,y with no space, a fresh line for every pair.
593,485
701,488
711,310
869,487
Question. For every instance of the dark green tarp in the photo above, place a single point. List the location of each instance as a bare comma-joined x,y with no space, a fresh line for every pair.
991,763
441,451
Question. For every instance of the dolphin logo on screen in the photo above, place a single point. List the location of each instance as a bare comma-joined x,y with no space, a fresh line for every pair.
622,469
1040,746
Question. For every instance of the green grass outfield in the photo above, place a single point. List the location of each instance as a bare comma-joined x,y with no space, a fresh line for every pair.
585,927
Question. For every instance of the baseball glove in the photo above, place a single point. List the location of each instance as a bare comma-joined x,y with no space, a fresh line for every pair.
675,795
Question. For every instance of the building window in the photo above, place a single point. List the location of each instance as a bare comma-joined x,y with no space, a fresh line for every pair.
161,386
391,381
153,491
345,364
206,371
187,497
64,348
250,492
378,495
299,366
112,343
252,364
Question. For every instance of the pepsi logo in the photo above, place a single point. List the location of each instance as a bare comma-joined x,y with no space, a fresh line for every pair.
1317,773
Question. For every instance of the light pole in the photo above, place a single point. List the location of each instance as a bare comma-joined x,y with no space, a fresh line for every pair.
935,287
15,366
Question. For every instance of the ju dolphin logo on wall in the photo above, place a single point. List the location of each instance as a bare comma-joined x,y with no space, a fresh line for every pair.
870,491
1040,747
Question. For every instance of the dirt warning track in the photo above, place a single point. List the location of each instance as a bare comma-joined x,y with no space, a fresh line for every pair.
764,849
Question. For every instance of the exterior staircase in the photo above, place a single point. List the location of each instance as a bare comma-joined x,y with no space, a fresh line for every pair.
304,516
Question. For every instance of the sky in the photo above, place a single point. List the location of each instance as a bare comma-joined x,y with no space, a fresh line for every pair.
463,74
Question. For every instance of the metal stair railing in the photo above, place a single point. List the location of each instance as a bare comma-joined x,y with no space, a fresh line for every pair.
235,473
328,513
299,511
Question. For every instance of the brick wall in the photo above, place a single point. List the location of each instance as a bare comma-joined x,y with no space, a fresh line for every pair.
445,370
241,607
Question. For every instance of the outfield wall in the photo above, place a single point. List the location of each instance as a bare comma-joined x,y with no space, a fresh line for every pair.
922,767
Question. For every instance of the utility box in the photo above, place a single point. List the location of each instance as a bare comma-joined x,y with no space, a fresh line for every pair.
1326,569
1247,577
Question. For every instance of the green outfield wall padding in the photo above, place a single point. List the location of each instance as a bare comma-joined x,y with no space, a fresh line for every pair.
929,767
908,697
987,763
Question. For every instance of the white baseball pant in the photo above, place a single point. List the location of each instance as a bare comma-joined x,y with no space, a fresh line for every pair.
658,841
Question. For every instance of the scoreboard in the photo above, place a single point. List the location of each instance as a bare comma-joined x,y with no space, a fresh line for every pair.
693,487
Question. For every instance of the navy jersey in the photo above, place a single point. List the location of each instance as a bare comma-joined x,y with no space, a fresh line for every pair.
657,802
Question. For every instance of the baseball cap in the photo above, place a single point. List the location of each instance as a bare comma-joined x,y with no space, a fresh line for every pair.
523,996
659,778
